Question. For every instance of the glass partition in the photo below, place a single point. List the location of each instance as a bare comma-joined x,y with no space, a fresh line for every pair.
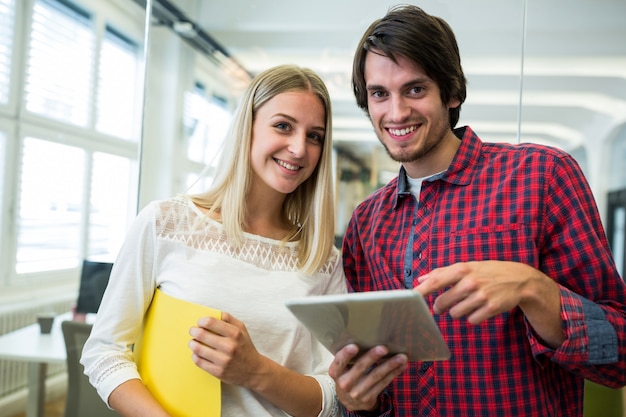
545,72
550,73
574,90
256,35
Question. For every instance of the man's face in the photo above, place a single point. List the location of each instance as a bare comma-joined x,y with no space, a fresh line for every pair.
406,110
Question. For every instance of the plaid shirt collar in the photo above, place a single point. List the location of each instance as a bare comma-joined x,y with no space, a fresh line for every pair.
459,172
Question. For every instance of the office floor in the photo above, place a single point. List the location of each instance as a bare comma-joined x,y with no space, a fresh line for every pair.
57,408
54,408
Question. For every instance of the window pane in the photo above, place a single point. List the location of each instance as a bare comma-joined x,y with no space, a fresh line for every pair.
50,205
112,196
3,140
117,92
60,61
206,123
194,109
7,18
218,120
199,183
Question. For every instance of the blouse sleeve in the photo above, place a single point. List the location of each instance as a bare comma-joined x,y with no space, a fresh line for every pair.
107,355
330,404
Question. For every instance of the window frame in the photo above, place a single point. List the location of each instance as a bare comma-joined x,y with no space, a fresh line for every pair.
18,123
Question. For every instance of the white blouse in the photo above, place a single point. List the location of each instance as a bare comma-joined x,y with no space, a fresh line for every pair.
173,246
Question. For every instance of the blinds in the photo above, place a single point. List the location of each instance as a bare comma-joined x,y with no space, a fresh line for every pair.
7,17
50,206
70,197
117,80
60,61
2,159
60,72
113,188
75,196
206,122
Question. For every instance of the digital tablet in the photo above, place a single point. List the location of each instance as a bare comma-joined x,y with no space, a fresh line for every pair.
399,319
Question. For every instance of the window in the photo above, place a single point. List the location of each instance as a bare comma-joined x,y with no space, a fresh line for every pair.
113,188
3,139
50,206
7,17
77,168
117,102
60,61
206,124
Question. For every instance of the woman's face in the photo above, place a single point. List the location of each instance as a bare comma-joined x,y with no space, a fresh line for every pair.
287,140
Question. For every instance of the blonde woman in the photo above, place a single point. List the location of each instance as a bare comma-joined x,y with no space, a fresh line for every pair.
262,234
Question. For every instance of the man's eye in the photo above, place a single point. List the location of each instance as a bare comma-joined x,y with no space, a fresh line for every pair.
378,94
417,90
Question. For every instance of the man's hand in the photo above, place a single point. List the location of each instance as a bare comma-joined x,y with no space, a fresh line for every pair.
360,381
481,290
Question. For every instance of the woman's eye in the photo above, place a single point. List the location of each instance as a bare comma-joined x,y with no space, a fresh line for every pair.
316,137
282,126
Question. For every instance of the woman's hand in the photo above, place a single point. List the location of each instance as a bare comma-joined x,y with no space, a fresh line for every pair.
224,349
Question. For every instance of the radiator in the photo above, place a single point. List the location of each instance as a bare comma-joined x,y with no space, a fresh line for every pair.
14,374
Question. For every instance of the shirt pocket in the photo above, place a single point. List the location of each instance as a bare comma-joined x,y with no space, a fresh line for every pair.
503,242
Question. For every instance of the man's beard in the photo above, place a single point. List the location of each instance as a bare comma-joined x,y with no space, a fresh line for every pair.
406,156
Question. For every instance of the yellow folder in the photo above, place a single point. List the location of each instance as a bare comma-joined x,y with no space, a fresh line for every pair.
164,359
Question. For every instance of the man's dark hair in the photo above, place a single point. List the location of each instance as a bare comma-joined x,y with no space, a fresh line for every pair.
408,31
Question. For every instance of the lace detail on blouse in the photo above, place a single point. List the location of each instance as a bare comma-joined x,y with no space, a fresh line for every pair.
179,221
334,408
110,365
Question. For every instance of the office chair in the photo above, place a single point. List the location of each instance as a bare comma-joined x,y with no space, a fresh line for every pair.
82,398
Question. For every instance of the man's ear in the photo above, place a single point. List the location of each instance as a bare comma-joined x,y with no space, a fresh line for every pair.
454,103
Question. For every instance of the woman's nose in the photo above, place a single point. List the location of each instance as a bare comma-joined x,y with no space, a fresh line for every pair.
297,144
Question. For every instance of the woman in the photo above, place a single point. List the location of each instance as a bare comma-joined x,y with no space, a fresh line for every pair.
262,234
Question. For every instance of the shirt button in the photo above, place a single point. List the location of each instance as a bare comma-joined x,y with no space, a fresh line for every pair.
407,272
424,367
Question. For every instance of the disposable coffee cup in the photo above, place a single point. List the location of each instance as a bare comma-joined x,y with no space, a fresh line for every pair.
45,322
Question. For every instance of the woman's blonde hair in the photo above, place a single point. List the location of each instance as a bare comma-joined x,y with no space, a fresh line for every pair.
309,210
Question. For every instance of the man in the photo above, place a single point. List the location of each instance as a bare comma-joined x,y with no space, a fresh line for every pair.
504,241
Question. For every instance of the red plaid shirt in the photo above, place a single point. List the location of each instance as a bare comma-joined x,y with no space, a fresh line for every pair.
525,203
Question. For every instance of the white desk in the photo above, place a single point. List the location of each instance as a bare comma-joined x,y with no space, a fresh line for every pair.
29,345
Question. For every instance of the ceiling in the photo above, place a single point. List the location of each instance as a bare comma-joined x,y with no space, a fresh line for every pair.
572,54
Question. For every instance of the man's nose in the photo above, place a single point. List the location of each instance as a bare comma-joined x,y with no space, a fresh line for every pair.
399,109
